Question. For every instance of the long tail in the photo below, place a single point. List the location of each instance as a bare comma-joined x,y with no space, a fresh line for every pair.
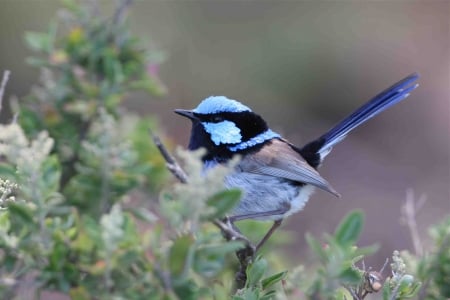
315,151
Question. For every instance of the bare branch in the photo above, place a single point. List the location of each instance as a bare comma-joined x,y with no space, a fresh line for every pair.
120,10
171,163
355,296
5,79
409,213
384,266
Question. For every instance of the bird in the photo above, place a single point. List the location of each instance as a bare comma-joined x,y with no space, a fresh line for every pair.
276,177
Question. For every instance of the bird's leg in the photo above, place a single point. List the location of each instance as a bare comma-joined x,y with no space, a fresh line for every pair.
246,254
260,215
281,211
269,233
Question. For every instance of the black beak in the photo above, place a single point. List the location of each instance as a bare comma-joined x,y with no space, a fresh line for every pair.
186,113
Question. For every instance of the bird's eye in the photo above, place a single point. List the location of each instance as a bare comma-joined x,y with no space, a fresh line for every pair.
217,119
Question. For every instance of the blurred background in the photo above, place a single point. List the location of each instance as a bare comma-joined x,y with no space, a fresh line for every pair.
303,65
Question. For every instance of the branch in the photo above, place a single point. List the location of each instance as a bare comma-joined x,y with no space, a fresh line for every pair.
409,213
120,11
5,79
171,163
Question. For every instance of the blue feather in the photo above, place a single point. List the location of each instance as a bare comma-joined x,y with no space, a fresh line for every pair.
257,140
379,103
218,104
224,132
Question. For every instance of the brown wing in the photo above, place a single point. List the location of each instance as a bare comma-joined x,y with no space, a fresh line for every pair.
280,160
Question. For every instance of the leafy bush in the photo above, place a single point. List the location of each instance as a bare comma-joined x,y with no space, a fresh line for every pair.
78,215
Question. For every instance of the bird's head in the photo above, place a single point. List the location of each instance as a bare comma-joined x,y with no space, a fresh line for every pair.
225,126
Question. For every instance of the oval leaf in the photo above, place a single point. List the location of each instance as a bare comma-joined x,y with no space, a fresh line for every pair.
317,248
180,255
256,271
223,202
350,228
271,280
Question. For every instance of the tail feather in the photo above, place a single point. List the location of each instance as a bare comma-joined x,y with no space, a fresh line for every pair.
315,151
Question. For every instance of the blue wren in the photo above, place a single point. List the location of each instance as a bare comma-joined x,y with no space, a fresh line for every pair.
276,177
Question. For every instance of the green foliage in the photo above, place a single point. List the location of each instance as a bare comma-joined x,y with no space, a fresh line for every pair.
432,269
89,64
338,257
401,285
78,212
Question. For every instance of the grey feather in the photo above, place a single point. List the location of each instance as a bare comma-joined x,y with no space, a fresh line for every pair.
280,160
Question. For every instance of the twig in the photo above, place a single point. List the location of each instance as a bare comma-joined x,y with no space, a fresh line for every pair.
246,254
409,213
120,10
171,163
384,266
355,296
5,79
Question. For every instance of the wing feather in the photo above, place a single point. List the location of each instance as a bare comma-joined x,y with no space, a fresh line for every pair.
278,159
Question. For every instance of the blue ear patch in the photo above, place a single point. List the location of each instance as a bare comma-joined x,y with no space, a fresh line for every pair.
224,132
218,104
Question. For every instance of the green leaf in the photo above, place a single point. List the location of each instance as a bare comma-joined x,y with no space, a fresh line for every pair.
317,248
350,276
386,289
350,228
256,271
8,171
221,249
271,280
188,290
79,293
209,259
408,287
223,202
22,211
269,295
180,255
51,173
360,253
38,41
248,294
4,221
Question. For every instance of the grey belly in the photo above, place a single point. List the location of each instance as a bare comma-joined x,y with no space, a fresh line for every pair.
262,193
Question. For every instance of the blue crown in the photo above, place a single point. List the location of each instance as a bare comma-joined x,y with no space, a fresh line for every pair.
218,104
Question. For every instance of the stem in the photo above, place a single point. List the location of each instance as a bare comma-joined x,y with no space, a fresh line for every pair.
5,79
120,11
409,211
171,163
